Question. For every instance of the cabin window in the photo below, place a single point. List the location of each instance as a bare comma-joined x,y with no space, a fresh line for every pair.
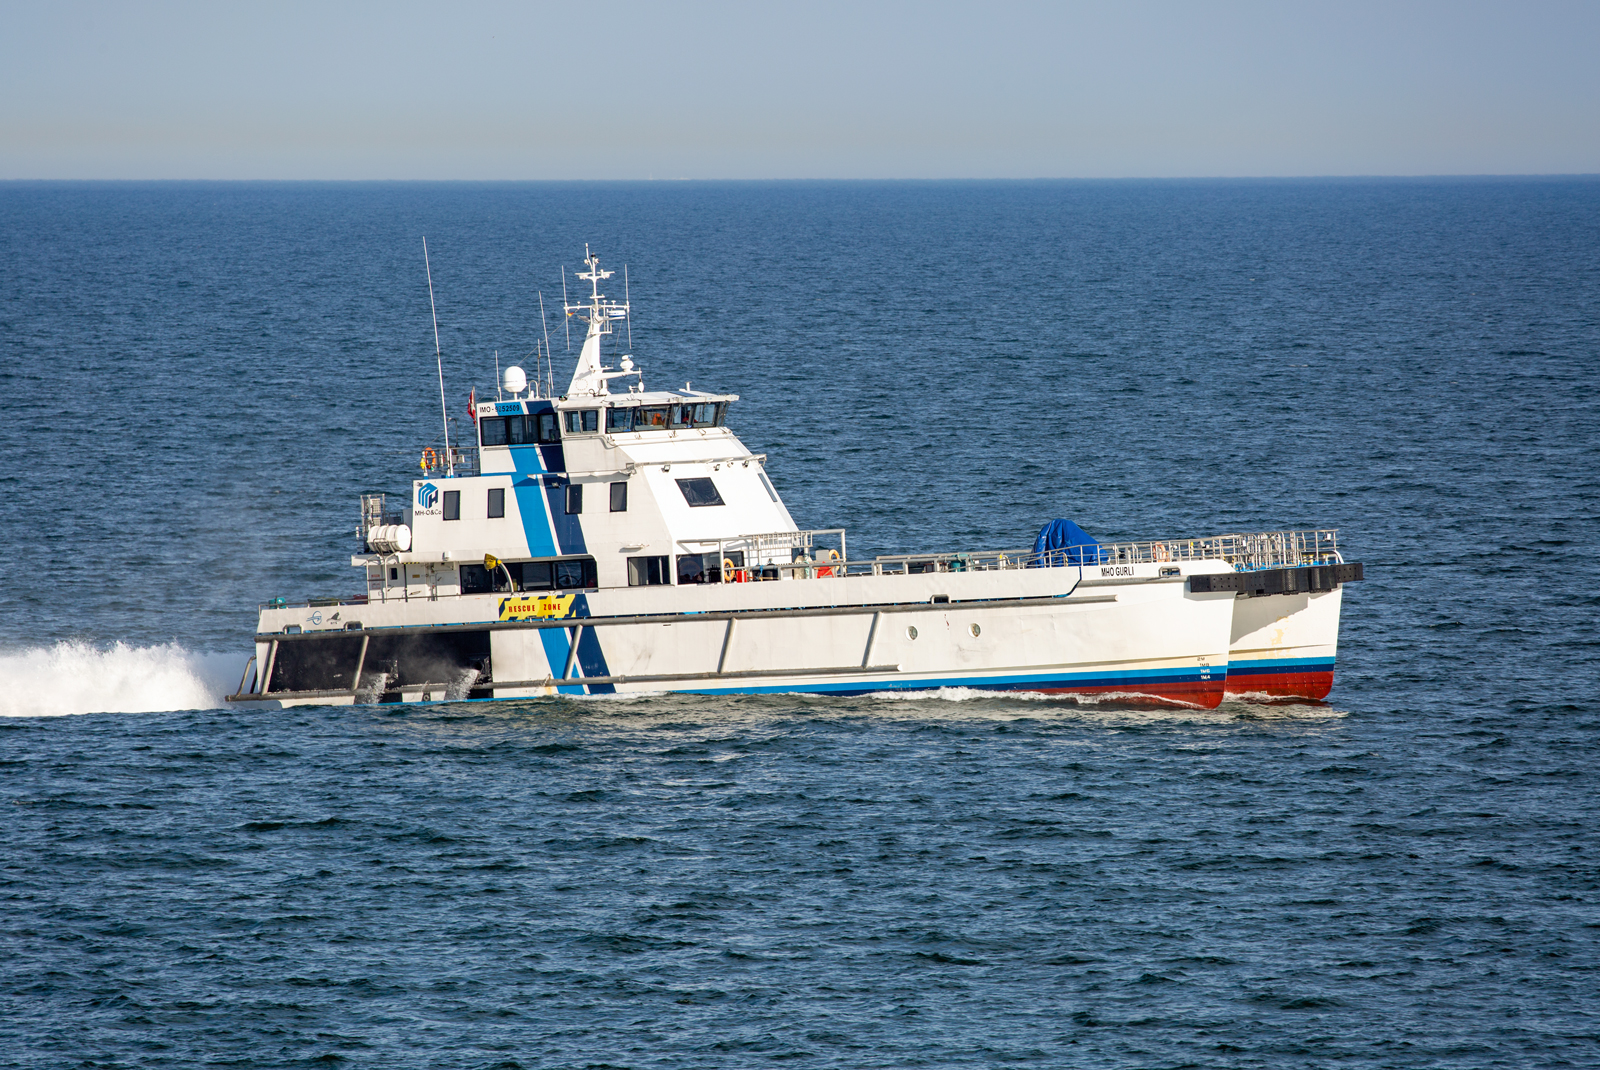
549,430
394,573
516,430
475,579
492,430
574,499
703,414
575,573
619,420
619,497
497,502
767,483
583,421
529,576
649,419
700,492
708,568
452,505
648,571
680,416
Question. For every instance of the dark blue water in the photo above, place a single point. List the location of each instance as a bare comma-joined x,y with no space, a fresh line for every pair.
197,381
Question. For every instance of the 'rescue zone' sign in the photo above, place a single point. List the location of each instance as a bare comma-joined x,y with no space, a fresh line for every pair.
535,606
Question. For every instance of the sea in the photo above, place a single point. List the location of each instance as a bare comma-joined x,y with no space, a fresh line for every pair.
198,380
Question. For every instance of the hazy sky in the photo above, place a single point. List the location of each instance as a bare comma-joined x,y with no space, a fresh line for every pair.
796,90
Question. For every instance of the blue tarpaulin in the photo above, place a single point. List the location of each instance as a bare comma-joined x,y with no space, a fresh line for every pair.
1065,543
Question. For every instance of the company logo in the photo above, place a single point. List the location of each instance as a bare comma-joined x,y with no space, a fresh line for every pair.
427,495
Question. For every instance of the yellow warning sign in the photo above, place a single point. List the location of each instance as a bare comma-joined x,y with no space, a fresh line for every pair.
535,606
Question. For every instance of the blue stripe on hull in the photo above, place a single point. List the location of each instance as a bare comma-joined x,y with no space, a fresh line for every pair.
1280,667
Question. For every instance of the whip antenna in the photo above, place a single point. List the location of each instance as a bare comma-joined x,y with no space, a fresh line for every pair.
438,357
627,302
568,320
545,323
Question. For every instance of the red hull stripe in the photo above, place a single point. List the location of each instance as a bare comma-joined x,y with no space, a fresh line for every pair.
1313,685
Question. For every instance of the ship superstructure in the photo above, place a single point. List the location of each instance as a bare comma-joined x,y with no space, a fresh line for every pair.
603,541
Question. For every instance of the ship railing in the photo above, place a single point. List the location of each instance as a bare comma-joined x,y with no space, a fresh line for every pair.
457,460
801,554
1245,552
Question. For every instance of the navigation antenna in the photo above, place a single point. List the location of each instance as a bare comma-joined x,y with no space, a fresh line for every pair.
438,357
499,395
545,323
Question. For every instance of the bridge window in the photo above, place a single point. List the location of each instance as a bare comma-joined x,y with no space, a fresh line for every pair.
538,429
648,571
452,505
619,420
619,497
497,502
492,430
681,416
649,419
583,421
700,492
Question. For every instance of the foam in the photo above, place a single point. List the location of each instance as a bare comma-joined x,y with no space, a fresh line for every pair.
77,677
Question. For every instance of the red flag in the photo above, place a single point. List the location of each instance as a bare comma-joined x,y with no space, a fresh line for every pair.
472,405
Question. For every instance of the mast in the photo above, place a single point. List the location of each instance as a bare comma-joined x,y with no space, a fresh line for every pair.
591,375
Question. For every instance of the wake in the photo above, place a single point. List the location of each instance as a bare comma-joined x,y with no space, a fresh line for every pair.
77,677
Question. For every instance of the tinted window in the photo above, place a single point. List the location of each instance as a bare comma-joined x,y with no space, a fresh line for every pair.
493,430
703,415
649,419
699,492
576,573
583,421
574,499
475,580
547,427
619,419
537,576
722,412
648,571
680,416
452,505
619,497
497,502
516,430
707,568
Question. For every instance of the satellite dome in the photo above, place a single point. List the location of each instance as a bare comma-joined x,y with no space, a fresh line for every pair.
514,380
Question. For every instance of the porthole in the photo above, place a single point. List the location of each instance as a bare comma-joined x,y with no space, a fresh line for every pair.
911,632
975,630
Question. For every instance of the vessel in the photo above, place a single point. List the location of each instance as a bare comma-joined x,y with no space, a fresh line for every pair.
601,541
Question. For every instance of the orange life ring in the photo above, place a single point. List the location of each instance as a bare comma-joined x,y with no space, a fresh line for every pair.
429,460
1160,552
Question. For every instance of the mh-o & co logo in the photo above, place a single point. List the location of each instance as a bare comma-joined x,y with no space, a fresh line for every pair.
427,495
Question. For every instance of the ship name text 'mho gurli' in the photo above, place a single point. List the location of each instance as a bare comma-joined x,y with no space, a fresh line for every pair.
601,541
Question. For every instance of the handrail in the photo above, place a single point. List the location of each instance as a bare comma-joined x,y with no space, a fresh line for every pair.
1245,552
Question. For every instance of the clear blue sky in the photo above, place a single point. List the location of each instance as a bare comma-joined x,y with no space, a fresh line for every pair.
797,90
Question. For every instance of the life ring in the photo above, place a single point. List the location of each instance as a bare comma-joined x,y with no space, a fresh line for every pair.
430,459
730,572
827,570
1160,552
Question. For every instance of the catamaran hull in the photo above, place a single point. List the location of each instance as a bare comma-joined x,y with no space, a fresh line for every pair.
1284,645
1137,640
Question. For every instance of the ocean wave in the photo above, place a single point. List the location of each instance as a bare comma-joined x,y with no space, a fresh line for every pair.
78,677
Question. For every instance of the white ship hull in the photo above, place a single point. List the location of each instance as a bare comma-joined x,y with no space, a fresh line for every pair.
1139,638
